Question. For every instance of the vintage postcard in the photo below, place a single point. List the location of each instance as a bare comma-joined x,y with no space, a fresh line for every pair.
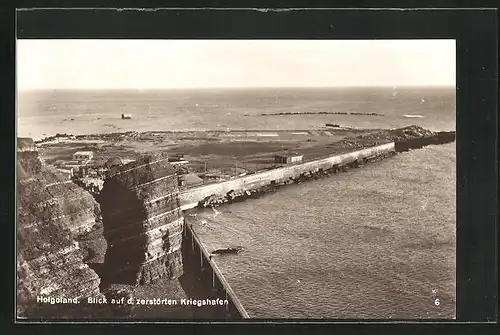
233,179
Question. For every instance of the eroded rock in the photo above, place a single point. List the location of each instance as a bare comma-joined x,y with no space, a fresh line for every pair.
52,211
142,221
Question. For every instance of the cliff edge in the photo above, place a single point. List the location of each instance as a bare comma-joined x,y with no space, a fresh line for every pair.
52,212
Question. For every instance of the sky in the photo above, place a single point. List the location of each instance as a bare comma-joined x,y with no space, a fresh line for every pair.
163,64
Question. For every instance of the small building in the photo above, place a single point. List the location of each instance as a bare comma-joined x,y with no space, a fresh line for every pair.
179,163
176,158
68,172
92,170
190,180
83,155
288,158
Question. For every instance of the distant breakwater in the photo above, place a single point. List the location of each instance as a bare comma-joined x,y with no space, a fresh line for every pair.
319,113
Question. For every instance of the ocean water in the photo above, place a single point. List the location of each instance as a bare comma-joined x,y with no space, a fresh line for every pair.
45,113
375,242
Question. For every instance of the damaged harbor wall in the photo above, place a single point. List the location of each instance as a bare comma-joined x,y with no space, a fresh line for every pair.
191,197
142,221
51,214
381,144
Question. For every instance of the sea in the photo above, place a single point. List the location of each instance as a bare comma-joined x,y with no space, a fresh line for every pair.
377,242
45,113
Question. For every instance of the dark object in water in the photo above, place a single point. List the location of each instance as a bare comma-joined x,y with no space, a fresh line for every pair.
333,125
126,116
226,251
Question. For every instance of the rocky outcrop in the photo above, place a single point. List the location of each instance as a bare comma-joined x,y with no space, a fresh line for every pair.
25,144
52,211
142,221
441,137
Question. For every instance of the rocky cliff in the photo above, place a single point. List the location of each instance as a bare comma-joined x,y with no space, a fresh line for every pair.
52,212
142,221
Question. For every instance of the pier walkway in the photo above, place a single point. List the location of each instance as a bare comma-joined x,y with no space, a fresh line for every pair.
218,281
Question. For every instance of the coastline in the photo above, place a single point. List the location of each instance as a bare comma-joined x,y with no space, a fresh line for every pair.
411,137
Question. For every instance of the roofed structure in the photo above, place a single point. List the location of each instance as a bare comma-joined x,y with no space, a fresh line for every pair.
287,158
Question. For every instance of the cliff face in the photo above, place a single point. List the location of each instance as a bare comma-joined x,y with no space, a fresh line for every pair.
25,144
52,211
73,208
142,221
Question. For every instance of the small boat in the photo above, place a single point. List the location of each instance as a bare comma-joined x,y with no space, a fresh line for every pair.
226,251
126,116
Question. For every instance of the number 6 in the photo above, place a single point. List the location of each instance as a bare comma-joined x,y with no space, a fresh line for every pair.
436,302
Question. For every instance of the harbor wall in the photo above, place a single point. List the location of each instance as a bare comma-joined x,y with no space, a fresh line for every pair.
191,197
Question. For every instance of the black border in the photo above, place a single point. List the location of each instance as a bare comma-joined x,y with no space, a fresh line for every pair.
477,88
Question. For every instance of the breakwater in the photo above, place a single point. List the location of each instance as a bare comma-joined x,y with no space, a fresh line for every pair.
241,195
320,113
191,198
254,185
198,257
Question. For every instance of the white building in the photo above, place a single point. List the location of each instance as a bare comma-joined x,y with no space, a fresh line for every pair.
83,156
68,172
288,158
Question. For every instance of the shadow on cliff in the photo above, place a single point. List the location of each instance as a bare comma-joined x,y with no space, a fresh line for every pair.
122,217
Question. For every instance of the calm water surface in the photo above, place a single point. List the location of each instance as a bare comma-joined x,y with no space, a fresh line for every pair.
375,242
45,113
